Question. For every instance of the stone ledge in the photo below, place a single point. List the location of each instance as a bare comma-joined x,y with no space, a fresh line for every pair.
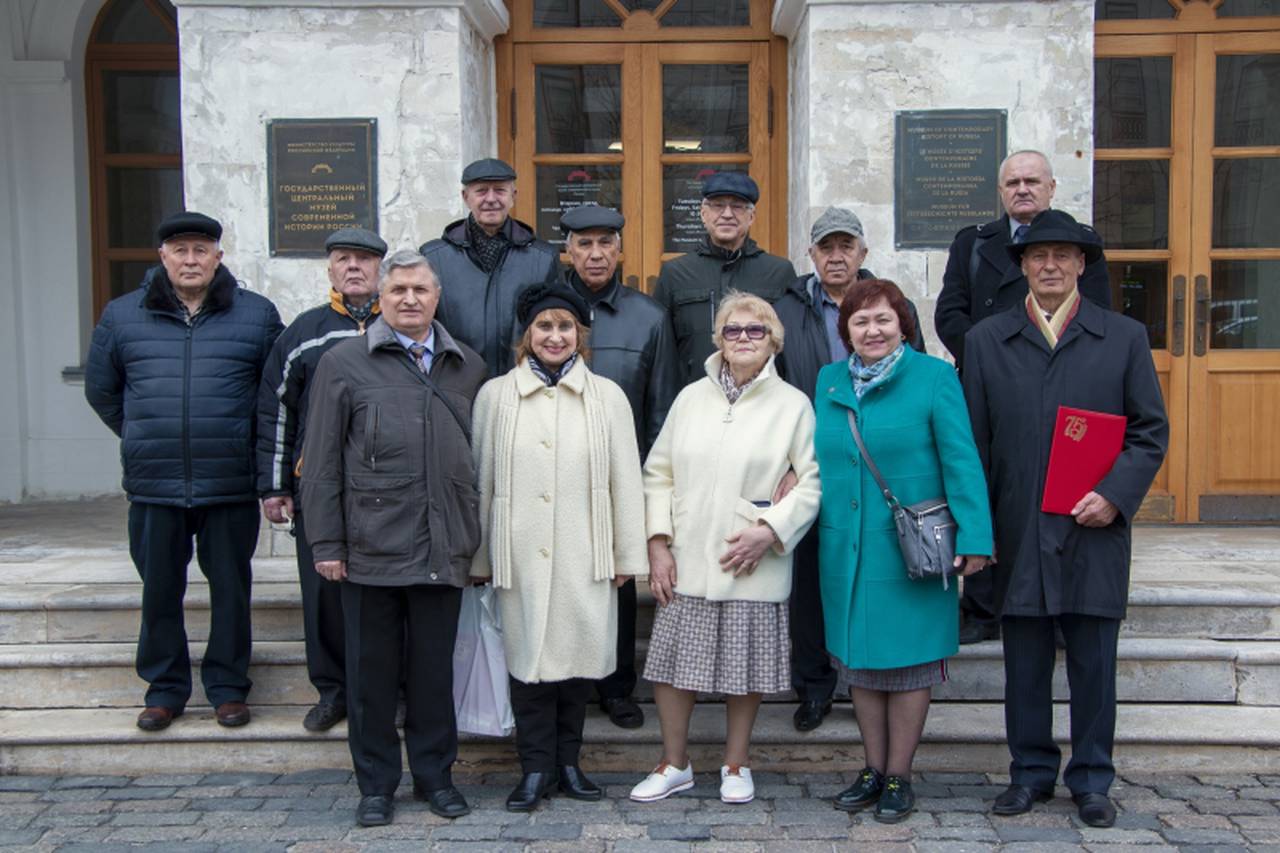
489,17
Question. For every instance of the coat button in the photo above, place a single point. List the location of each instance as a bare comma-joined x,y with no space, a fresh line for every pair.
989,302
434,576
854,460
546,442
550,392
546,497
545,552
853,504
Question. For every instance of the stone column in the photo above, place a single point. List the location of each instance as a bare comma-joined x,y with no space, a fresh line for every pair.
854,63
422,68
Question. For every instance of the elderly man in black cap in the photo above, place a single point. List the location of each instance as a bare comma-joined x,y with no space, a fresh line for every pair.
692,286
354,255
174,370
632,344
485,261
1056,348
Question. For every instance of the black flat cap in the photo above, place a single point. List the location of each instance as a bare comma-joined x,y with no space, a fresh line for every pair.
731,183
356,238
540,297
1058,226
188,223
589,216
488,169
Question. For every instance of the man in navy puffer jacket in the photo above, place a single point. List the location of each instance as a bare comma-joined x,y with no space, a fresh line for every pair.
174,371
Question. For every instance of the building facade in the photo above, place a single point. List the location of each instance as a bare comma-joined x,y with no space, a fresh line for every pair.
1157,115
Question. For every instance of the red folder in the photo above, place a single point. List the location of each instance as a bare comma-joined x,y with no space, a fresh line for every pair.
1085,446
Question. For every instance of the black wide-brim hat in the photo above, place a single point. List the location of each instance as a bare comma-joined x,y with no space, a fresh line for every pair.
541,297
1057,226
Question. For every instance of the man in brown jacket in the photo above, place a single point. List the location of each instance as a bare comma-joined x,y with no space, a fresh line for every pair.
392,512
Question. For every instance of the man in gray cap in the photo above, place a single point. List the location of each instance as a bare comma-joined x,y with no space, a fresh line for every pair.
809,311
354,255
485,261
632,344
174,370
690,287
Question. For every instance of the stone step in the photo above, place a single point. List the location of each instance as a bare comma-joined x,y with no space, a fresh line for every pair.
1181,738
101,675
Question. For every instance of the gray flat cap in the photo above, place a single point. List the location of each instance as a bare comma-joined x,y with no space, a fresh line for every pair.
835,220
488,169
731,183
356,238
589,216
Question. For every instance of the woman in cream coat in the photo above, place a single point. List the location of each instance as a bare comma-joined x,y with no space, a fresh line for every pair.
719,548
562,522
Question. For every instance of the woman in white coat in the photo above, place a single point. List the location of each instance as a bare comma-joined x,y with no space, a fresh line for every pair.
561,505
720,548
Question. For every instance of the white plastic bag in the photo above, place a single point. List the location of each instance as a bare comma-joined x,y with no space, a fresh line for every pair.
481,693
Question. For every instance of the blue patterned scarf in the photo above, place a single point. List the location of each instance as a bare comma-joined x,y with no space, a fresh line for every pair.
547,376
868,376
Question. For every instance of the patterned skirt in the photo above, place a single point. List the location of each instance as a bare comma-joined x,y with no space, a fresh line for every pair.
733,647
895,680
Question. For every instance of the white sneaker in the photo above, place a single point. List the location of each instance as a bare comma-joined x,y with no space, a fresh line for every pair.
736,785
664,781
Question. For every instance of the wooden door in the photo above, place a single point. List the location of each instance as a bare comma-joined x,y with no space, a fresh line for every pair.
1186,177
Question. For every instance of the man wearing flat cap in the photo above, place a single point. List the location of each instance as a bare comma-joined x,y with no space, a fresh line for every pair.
485,261
173,370
632,344
809,311
354,255
1056,348
692,286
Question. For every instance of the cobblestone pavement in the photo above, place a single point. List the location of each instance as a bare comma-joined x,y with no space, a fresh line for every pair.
312,811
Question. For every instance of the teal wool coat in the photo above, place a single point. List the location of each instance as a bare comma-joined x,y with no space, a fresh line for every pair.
916,427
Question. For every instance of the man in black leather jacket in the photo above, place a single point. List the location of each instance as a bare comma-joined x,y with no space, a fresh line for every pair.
485,262
631,343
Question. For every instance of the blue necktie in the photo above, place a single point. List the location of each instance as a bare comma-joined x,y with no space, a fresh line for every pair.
419,352
1020,233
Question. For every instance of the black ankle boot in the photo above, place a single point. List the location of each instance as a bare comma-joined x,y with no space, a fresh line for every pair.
574,783
531,790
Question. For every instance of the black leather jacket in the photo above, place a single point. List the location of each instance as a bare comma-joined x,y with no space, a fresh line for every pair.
479,308
631,343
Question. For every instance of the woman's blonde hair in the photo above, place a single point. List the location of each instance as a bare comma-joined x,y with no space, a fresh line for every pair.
736,300
524,348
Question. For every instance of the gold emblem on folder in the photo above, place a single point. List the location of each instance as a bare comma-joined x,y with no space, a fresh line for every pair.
1077,426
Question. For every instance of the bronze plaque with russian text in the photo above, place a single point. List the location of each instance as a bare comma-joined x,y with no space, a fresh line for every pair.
945,164
322,175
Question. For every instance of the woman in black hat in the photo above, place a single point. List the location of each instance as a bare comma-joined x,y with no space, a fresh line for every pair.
562,514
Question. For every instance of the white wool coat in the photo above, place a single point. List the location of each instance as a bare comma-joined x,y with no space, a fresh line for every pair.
714,463
552,543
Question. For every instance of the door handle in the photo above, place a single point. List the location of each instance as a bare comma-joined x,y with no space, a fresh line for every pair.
1202,315
1177,345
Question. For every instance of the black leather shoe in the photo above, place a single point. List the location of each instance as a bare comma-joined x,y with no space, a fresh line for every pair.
375,810
446,802
232,714
978,630
324,716
623,712
865,791
533,788
1095,809
897,800
1018,799
574,783
809,715
155,718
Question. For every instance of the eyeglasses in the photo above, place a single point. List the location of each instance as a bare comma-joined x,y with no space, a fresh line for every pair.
737,208
733,332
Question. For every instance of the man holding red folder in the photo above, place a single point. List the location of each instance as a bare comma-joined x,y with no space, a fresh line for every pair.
1054,350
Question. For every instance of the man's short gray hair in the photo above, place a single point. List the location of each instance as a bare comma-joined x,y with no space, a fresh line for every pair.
404,259
1048,165
569,234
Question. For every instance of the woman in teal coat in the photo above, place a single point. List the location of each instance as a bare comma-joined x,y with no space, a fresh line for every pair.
889,636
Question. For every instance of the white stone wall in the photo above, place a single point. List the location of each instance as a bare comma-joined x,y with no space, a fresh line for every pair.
854,64
425,74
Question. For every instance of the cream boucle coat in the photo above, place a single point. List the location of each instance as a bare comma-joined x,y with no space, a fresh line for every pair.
545,529
712,463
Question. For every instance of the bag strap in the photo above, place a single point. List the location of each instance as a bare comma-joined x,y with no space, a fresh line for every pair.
434,389
869,462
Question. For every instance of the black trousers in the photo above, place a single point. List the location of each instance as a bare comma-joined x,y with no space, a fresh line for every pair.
322,627
812,677
621,683
978,603
1029,654
378,621
160,543
549,719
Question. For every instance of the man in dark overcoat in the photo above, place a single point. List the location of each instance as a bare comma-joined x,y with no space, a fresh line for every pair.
1054,349
981,280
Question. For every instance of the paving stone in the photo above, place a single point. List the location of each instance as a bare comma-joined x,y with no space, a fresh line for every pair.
721,815
262,847
26,783
1261,836
798,847
613,831
755,832
1040,847
1093,835
238,780
275,791
91,782
18,797
958,833
19,815
316,777
962,819
1128,848
1236,807
153,818
679,832
155,834
168,780
68,820
242,819
1039,834
398,831
1257,822
1201,836
344,817
68,794
138,793
726,847
464,832
20,836
173,804
298,804
944,778
1216,848
1194,792
543,832
627,845
1196,821
228,804
1136,820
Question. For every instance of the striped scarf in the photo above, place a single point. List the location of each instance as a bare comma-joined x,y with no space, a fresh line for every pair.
1052,328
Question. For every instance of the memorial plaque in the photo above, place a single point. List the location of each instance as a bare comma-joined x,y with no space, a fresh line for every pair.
945,164
322,175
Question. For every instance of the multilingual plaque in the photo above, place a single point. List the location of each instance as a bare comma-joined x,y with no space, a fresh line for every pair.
945,165
322,175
